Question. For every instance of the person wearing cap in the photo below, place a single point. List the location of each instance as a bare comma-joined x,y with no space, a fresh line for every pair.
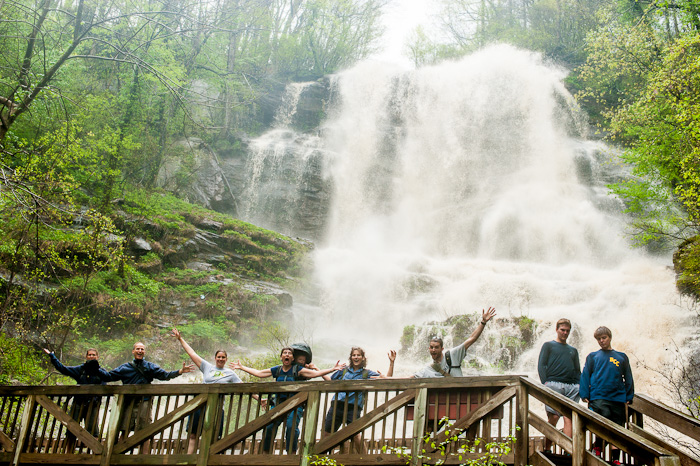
85,407
449,363
288,371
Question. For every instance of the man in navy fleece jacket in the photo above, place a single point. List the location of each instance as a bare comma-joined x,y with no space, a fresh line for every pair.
607,385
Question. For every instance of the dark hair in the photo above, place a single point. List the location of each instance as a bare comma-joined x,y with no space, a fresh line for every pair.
363,364
437,339
600,331
286,348
91,349
220,351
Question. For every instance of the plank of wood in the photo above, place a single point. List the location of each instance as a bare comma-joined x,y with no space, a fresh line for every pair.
112,429
551,432
208,429
43,458
539,459
419,415
312,408
363,422
666,415
522,435
161,424
685,459
258,423
6,442
70,424
24,427
254,460
465,422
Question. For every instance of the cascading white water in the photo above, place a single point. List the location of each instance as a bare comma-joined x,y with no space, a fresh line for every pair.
458,187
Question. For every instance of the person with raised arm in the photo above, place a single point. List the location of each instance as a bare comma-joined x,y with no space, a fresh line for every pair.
448,363
346,407
141,372
85,407
287,371
217,373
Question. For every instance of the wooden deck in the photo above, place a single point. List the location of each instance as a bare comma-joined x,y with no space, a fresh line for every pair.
40,425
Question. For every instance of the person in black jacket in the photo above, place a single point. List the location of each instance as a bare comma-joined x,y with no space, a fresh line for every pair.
85,407
141,372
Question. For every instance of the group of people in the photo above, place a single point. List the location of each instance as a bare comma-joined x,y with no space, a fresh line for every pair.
605,382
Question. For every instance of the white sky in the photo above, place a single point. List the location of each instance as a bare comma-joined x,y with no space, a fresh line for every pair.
400,18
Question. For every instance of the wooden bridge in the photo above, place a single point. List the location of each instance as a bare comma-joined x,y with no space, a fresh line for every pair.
400,417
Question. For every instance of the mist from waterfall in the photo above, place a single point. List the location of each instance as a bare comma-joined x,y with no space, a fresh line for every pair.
470,184
447,189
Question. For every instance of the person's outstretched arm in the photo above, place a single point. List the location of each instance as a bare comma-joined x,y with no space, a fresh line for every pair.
486,315
188,349
254,372
70,371
310,373
392,358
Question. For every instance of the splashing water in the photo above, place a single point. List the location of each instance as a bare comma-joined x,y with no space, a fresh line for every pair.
467,185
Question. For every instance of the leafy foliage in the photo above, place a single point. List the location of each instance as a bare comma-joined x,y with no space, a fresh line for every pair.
467,452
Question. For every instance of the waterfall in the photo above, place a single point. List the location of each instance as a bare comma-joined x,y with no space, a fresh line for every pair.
470,184
284,190
456,187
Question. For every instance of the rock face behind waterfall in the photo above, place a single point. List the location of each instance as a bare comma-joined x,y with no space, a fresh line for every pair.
245,178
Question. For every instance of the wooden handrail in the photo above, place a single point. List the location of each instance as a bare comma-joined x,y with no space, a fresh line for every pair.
658,411
392,419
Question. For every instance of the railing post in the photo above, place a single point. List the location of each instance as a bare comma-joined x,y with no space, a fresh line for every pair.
313,403
419,411
112,429
522,436
578,434
208,428
24,428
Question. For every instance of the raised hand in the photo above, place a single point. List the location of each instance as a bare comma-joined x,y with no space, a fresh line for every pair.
392,356
187,368
487,315
235,365
175,333
47,351
339,366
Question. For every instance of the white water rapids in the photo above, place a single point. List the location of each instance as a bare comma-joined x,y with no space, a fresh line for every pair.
467,185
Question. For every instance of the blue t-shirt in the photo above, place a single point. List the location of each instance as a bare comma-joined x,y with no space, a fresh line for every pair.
352,374
607,376
290,375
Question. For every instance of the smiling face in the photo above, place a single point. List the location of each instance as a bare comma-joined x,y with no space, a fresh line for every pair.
357,358
300,359
139,351
220,359
435,350
91,355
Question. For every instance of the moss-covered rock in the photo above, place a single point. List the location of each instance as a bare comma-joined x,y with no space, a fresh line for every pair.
686,263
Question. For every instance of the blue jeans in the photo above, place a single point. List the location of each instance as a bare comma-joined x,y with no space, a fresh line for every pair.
291,436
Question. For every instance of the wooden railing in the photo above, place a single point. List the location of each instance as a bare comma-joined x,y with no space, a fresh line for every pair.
49,425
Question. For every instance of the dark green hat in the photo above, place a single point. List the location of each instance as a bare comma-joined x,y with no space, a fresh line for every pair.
302,348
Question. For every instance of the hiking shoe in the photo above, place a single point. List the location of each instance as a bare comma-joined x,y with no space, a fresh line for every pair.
597,452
